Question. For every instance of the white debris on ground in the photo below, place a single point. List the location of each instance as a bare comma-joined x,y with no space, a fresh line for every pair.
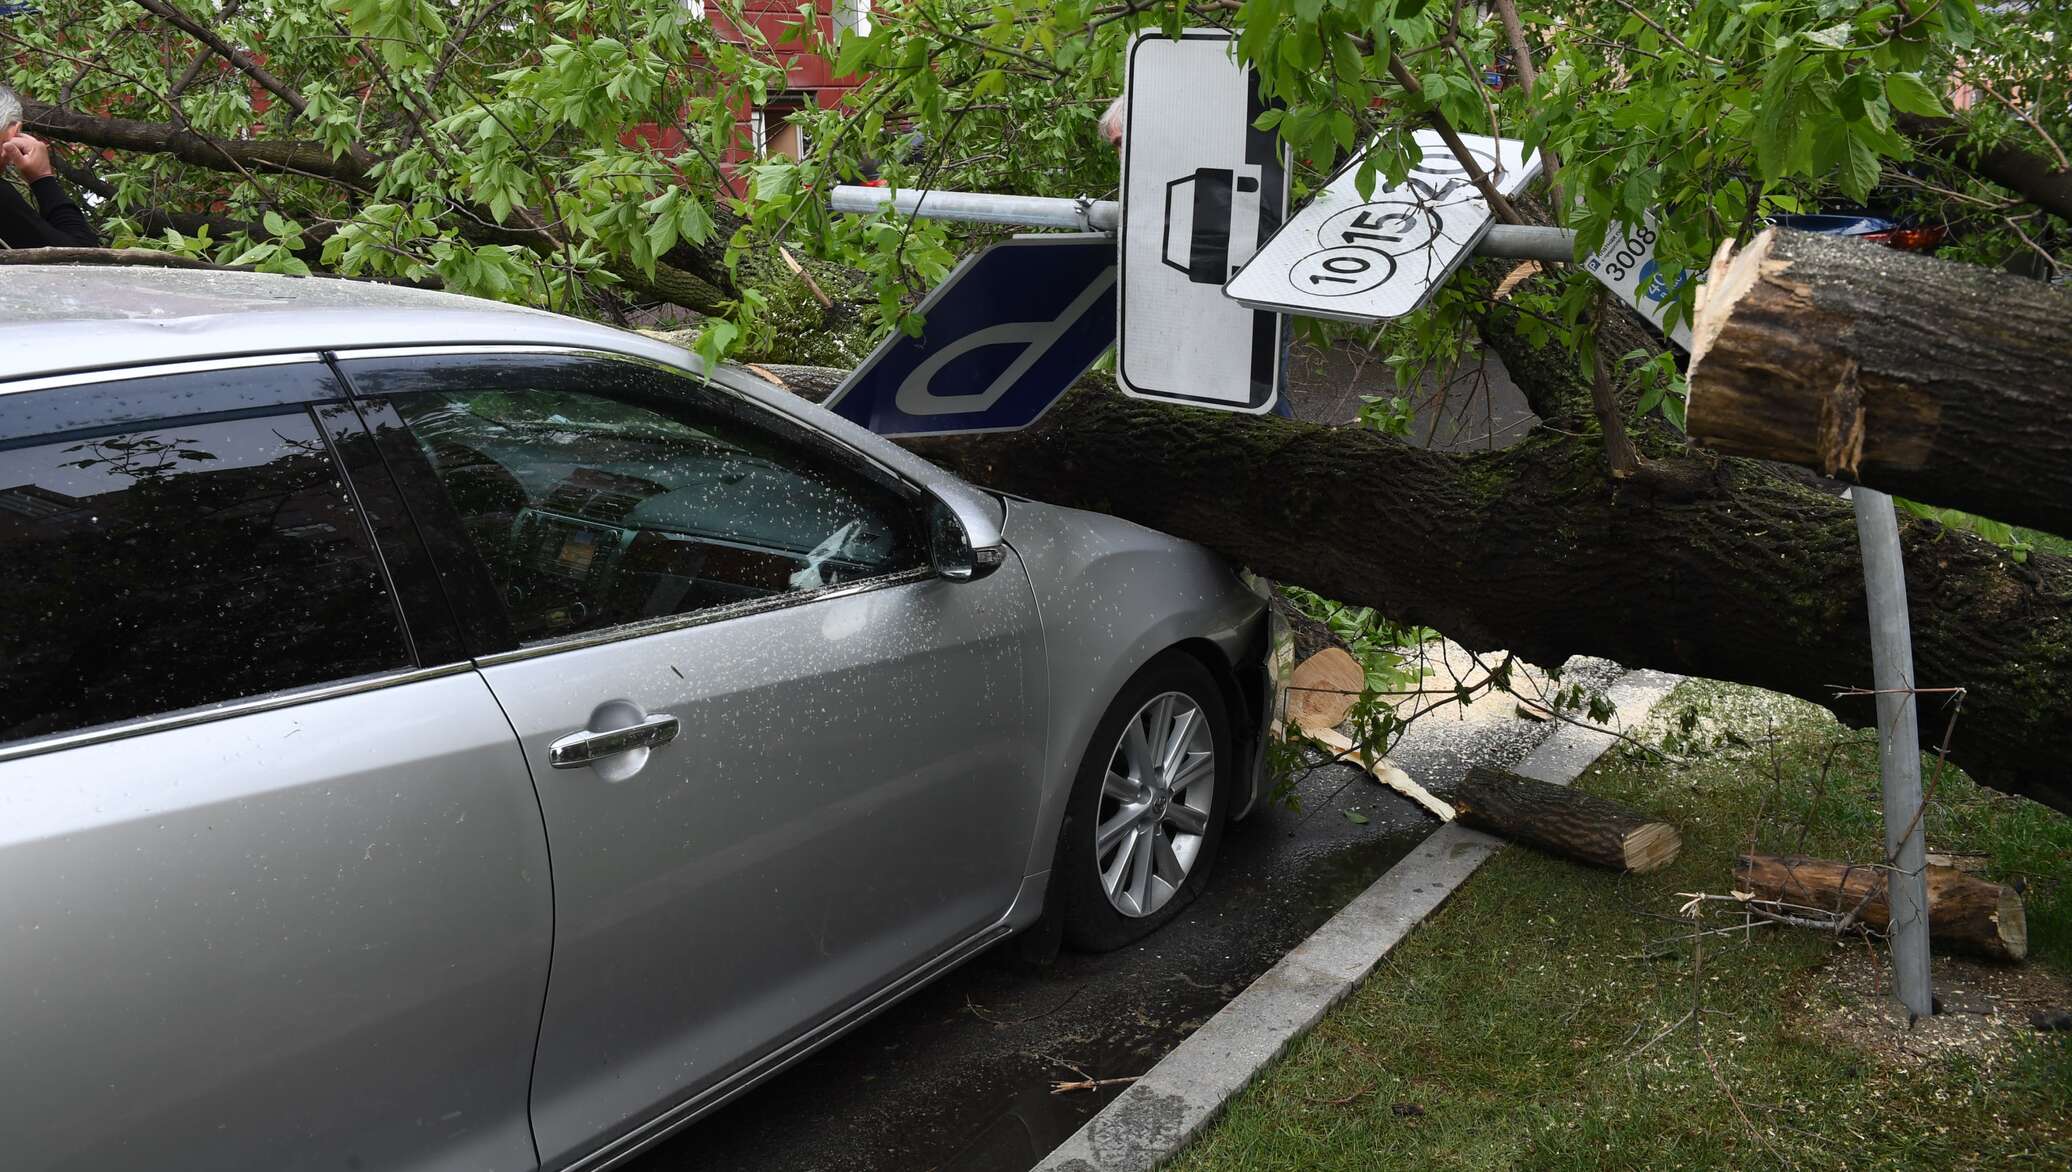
1496,727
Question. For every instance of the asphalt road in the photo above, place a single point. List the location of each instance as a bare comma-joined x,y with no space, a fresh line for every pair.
959,1076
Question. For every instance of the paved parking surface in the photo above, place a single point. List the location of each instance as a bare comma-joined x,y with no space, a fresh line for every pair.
959,1076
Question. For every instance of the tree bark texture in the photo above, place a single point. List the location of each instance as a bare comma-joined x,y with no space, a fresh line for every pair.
1964,914
1563,821
1726,568
2029,174
1945,383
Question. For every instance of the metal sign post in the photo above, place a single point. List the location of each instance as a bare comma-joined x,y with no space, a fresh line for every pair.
1516,241
1377,258
1899,746
1002,339
1201,191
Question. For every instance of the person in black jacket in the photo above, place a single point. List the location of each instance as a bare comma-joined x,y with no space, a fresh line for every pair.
53,221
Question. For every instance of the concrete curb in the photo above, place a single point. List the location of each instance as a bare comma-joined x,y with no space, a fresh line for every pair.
1162,1111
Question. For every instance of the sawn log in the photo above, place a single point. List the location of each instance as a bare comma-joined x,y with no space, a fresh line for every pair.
1563,821
1965,914
1945,383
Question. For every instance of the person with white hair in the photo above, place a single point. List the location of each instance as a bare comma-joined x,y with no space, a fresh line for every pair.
54,221
1111,123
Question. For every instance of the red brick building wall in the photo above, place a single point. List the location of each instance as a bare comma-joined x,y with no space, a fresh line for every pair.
809,80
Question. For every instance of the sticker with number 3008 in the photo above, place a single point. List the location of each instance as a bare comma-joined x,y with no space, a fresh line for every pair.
1342,271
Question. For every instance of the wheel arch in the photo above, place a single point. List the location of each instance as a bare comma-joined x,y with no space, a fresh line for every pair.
1243,699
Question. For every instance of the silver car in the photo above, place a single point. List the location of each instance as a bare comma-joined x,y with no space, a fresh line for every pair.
436,734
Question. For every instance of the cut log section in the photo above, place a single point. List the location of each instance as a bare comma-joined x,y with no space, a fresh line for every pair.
1965,914
1946,383
1562,821
1323,689
1384,772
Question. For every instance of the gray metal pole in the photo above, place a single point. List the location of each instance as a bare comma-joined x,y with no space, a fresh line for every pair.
1516,241
1899,745
1528,242
974,207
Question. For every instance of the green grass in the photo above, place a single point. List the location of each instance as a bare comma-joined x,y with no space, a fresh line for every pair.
1512,1030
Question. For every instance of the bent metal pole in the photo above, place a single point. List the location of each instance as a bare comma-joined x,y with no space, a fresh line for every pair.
1899,746
1514,241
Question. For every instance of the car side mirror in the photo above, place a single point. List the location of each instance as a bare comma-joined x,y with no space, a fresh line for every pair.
950,550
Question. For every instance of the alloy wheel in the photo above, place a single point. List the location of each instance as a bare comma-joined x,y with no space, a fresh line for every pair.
1155,804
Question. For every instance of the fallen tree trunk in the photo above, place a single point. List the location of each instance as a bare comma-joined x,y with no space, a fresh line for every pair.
1725,568
1563,821
1945,383
1964,914
2040,180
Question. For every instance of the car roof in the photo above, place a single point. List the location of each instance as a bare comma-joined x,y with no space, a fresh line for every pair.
56,319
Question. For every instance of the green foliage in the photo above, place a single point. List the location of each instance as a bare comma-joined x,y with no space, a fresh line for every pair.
1999,533
1378,643
1387,654
484,132
1387,414
480,136
1526,1023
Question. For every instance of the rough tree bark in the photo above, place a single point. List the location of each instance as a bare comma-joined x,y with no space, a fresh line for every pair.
1964,914
1720,567
1564,821
1946,383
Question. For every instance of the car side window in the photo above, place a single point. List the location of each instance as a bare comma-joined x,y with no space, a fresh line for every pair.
173,542
602,493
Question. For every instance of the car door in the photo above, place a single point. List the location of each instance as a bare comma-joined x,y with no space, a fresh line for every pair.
273,881
781,762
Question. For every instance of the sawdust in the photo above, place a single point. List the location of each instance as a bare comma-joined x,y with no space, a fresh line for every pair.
1985,1008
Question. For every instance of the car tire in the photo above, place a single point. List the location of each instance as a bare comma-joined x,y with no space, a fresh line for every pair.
1115,893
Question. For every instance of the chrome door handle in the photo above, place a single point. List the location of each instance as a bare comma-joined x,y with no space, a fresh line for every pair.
578,749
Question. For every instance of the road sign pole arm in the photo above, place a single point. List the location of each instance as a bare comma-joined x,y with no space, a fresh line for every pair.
1512,241
975,207
1497,203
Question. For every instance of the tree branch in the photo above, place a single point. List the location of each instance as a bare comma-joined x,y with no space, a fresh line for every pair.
229,52
687,288
1497,203
286,156
2023,172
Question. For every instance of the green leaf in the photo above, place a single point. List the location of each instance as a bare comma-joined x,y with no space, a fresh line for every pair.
1910,95
693,222
1834,36
1859,169
1342,129
254,255
1673,410
1356,818
1852,93
661,236
776,179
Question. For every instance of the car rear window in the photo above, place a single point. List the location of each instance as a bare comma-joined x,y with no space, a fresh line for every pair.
175,542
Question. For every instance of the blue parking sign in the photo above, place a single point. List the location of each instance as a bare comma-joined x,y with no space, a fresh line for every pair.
1004,337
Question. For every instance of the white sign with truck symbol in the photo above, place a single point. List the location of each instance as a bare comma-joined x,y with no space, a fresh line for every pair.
1381,257
1201,191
